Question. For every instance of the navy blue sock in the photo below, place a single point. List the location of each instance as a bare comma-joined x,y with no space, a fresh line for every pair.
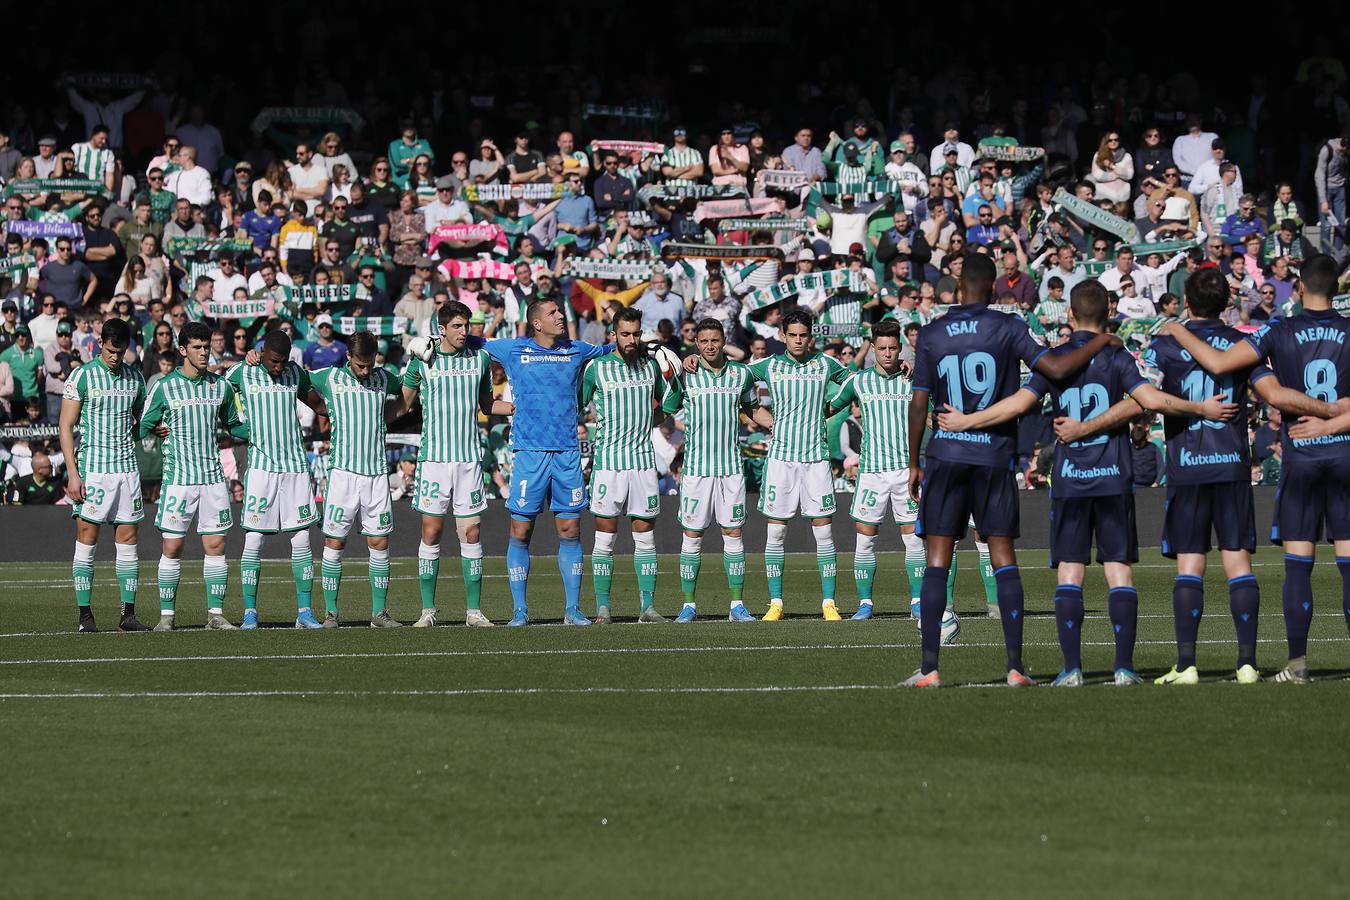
518,572
1188,605
1343,563
1244,600
1010,603
932,604
570,563
1069,622
1297,603
1122,603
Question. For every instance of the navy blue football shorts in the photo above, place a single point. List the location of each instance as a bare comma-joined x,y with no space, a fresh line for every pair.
1312,503
1075,521
1195,511
953,492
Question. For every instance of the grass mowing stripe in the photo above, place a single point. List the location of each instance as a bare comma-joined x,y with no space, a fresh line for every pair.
447,692
580,651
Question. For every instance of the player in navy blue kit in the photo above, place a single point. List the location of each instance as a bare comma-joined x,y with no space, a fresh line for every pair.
544,371
1313,502
968,360
1092,488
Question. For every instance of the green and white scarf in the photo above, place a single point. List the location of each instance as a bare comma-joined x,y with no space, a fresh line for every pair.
1166,248
239,309
830,280
307,115
875,186
481,193
722,251
1006,153
184,245
1093,215
781,179
320,294
383,326
695,191
610,269
10,264
1007,308
647,148
88,187
772,223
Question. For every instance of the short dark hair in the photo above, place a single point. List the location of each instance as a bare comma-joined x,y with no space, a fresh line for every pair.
710,324
1206,292
798,315
1089,301
533,309
1054,282
628,314
98,129
362,345
116,333
977,277
194,331
1319,275
452,310
278,342
886,328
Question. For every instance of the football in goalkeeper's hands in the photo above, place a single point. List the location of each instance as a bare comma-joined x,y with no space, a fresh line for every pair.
423,348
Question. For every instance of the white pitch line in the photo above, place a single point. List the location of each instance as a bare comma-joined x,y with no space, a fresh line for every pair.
581,651
452,692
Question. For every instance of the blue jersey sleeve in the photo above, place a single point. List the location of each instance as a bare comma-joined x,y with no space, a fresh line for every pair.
924,373
1261,371
1038,384
588,352
1023,344
499,350
1263,341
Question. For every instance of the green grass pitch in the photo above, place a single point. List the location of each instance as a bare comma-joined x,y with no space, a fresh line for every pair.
715,759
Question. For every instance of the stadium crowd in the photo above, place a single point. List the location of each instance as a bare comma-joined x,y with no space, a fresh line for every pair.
123,197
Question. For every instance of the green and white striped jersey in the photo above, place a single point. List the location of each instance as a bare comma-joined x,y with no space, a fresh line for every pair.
274,440
449,388
681,157
357,408
712,403
799,391
110,404
625,399
92,163
192,408
885,417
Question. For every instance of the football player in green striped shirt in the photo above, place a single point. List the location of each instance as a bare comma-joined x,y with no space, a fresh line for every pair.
884,393
94,158
797,478
357,399
627,388
712,483
105,399
185,407
278,493
452,388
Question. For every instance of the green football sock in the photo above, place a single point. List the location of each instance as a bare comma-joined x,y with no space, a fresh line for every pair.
951,582
825,562
170,573
689,566
302,570
644,565
864,571
249,567
128,575
773,571
428,570
379,581
916,560
987,576
216,575
330,572
82,576
471,567
602,573
734,564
